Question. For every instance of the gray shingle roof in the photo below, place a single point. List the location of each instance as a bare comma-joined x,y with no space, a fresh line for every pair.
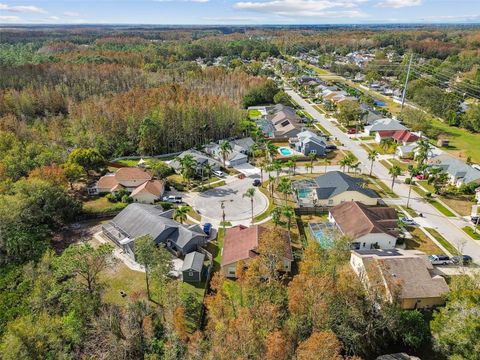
193,261
336,182
141,219
456,168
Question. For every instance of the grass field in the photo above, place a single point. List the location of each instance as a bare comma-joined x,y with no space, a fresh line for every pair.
254,113
322,129
101,205
121,278
440,207
443,241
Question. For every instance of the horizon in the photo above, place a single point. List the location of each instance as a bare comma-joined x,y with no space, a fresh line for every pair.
238,12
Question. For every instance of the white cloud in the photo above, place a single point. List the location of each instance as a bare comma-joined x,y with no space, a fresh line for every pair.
195,1
71,13
396,4
22,9
53,18
304,8
9,18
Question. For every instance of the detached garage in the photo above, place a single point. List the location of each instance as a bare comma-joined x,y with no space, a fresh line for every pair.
193,267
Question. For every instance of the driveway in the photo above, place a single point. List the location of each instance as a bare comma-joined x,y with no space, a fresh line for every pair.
237,207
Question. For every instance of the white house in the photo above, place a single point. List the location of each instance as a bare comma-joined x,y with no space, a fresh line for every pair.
367,227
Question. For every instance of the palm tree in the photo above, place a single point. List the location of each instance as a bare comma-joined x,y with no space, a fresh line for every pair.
276,216
423,150
343,163
207,170
188,165
290,164
250,193
264,165
180,213
271,181
372,156
385,143
327,162
277,166
271,150
253,149
356,167
411,171
394,172
294,159
285,187
225,150
312,155
309,166
289,213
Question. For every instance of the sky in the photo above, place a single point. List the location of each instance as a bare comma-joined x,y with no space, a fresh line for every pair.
256,12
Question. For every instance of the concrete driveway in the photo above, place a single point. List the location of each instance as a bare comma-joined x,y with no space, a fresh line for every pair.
237,207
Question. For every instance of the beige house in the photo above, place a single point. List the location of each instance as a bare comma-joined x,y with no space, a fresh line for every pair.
240,244
401,276
128,178
148,192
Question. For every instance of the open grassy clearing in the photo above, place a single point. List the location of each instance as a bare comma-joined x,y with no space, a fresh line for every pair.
420,241
121,278
101,205
443,241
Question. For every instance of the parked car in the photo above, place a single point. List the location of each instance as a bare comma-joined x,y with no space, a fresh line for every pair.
462,260
218,173
256,182
207,227
475,219
173,199
408,221
439,259
352,131
331,147
420,177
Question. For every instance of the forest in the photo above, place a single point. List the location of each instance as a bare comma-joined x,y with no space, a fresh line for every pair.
72,99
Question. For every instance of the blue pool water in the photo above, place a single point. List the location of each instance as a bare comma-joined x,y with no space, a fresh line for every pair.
303,193
324,234
285,151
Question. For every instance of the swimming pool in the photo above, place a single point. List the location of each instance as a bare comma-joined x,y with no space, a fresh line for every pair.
285,151
304,193
323,233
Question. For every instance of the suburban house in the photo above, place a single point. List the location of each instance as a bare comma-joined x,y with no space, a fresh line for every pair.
241,148
333,188
385,124
192,269
307,142
401,137
404,277
128,178
367,227
284,122
137,220
458,172
201,160
148,192
241,243
406,151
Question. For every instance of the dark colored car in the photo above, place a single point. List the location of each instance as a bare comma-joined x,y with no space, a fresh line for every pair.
256,182
331,147
462,260
207,228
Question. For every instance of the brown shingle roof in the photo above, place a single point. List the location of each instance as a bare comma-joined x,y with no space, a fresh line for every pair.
132,173
107,182
154,187
240,243
356,219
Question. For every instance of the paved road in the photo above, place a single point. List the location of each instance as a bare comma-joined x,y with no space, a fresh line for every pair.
237,207
449,228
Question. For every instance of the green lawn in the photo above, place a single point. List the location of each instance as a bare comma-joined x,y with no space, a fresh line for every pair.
121,278
128,162
193,214
386,189
470,232
443,241
101,205
321,128
271,206
215,248
440,207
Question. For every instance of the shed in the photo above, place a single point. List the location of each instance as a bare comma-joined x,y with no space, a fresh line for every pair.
193,267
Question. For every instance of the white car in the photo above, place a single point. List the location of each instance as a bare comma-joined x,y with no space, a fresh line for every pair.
408,221
440,259
218,173
173,199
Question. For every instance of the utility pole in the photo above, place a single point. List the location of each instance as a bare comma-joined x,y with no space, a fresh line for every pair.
406,82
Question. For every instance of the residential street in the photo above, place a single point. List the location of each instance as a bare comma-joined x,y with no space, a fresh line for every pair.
449,228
